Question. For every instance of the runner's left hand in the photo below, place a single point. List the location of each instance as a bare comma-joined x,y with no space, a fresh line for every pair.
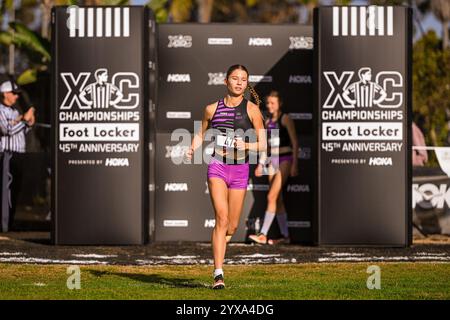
239,144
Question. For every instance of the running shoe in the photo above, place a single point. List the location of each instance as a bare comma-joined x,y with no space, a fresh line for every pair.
218,282
258,238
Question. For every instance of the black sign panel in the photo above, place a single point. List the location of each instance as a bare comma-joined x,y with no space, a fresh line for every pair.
183,205
100,75
192,61
363,83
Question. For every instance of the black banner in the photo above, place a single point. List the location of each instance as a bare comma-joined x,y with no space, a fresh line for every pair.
100,135
183,205
192,61
363,82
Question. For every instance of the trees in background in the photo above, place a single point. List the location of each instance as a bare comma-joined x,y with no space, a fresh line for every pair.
431,88
264,11
441,10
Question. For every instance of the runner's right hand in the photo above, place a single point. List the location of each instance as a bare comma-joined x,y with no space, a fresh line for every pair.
189,153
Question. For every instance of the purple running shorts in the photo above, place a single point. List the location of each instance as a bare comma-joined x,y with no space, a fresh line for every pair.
276,161
234,175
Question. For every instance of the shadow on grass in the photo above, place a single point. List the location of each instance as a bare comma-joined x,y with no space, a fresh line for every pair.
153,278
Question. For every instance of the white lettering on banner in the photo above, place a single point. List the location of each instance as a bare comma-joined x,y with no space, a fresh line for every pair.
173,187
362,131
362,114
125,82
210,223
385,92
79,162
380,161
74,116
346,161
176,223
73,85
220,41
429,195
372,146
178,114
108,147
117,162
179,41
337,83
301,43
178,77
98,111
260,42
391,81
300,79
99,132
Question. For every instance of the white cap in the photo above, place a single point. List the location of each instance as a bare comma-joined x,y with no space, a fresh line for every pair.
8,86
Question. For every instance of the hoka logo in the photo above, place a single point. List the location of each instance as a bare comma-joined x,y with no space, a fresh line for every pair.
260,42
210,223
177,77
429,196
380,162
176,187
117,162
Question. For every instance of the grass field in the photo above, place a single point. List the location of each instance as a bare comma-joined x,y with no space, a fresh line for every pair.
302,281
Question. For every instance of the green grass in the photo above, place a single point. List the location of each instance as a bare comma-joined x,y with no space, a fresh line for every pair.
302,281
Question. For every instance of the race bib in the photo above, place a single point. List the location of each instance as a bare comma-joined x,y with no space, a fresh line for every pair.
225,141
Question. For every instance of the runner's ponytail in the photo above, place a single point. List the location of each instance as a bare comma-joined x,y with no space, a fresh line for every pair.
254,95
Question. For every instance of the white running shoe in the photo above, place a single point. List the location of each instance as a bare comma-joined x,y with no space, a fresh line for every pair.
258,238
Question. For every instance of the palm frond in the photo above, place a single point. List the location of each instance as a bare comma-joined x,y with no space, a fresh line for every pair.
27,77
24,37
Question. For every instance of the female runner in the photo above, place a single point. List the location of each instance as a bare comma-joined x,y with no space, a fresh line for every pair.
228,170
283,150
